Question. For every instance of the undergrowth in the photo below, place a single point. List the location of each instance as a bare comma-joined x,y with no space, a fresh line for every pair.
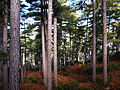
70,86
31,79
98,85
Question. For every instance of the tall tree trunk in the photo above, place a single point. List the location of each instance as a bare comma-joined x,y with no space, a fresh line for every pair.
1,36
104,43
64,56
24,67
49,45
14,44
5,63
60,66
1,45
46,33
43,47
94,42
119,38
55,45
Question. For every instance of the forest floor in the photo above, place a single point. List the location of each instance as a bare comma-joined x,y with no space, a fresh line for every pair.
77,77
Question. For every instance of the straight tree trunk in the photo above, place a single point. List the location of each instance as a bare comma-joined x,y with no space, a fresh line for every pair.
104,43
119,38
46,30
49,78
43,47
64,56
5,63
24,67
1,45
55,45
60,66
1,36
14,44
94,42
46,34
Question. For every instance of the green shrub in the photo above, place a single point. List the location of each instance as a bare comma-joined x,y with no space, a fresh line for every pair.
82,80
109,81
89,71
67,73
80,62
85,69
87,61
64,69
85,88
26,79
84,66
113,67
34,89
78,70
99,83
70,86
116,56
99,70
28,89
32,79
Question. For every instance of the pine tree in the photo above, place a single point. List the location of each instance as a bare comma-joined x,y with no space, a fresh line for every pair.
1,36
104,42
94,41
43,47
49,81
4,63
55,44
14,44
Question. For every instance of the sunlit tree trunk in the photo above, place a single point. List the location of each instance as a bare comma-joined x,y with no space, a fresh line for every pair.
23,68
119,39
43,46
55,45
104,43
49,78
46,34
46,31
14,44
94,41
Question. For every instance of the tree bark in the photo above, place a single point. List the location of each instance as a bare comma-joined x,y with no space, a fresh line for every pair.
64,56
5,63
24,67
55,45
94,42
1,36
14,44
119,38
104,43
49,45
1,45
46,32
43,47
